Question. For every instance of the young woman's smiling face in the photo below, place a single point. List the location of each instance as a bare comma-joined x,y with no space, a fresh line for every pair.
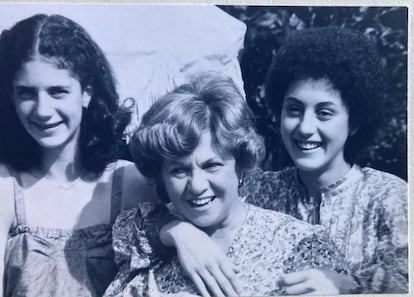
49,102
315,125
202,186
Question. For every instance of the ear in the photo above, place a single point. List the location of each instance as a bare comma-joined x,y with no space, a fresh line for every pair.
86,96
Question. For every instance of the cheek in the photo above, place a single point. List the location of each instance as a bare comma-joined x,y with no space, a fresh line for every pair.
174,188
286,127
73,113
23,109
338,130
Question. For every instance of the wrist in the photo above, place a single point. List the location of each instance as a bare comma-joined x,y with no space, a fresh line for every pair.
170,232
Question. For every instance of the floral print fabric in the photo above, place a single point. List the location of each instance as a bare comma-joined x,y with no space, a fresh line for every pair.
267,244
365,215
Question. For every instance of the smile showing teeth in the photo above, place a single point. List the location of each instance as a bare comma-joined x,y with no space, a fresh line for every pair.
307,145
199,202
43,126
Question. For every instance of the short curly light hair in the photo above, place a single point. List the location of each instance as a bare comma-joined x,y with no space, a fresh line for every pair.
348,60
174,124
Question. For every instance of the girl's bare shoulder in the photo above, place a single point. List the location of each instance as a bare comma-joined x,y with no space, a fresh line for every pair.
135,187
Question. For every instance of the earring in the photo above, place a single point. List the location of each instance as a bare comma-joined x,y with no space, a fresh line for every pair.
241,180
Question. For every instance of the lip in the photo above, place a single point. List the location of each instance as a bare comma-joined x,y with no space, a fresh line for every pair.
307,146
201,203
46,127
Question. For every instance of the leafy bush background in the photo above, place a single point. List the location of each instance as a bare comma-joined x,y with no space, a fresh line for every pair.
267,27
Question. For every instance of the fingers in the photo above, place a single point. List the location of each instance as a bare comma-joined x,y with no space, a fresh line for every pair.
223,281
211,283
199,285
298,289
229,272
293,278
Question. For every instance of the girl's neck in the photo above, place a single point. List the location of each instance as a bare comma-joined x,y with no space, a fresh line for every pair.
60,163
315,180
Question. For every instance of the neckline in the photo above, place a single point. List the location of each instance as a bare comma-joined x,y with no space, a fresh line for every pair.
115,204
339,185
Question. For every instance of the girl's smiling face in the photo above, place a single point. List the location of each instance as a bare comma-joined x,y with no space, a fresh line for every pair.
49,102
315,125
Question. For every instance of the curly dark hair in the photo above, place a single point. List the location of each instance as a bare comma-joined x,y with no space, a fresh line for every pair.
348,60
174,124
67,46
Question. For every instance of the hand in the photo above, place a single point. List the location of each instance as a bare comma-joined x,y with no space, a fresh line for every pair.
314,282
202,260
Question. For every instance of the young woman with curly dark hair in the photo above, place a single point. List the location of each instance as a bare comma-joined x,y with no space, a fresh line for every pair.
324,86
62,186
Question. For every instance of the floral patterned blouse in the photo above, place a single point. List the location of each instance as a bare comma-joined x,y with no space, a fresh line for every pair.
267,244
364,213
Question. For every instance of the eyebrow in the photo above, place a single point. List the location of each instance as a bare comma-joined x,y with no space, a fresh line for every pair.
319,104
212,159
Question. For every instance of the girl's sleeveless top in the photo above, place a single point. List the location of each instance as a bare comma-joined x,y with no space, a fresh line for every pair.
52,262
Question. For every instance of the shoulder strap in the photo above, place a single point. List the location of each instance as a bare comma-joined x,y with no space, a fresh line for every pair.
116,195
20,210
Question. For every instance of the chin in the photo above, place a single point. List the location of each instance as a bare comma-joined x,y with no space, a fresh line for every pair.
310,165
203,222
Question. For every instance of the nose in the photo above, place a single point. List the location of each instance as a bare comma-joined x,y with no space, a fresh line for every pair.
307,124
198,183
44,107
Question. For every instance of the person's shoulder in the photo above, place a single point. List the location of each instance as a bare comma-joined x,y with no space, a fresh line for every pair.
264,176
135,187
7,195
6,180
383,192
375,175
284,223
383,184
136,213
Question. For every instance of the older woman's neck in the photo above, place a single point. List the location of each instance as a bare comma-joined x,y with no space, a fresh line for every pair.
224,233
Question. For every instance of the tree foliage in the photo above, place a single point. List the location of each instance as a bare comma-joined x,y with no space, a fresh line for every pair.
387,26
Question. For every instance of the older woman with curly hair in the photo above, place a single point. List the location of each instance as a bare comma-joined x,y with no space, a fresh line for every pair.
324,86
196,143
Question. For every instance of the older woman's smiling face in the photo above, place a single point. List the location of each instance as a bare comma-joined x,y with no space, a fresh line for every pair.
203,186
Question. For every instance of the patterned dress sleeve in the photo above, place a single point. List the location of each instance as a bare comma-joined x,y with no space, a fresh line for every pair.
386,270
262,188
134,252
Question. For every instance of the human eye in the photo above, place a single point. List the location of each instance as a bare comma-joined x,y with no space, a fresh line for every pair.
213,166
325,114
58,92
178,171
23,93
293,110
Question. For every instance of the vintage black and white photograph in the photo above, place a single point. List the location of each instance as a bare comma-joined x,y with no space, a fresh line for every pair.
203,150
